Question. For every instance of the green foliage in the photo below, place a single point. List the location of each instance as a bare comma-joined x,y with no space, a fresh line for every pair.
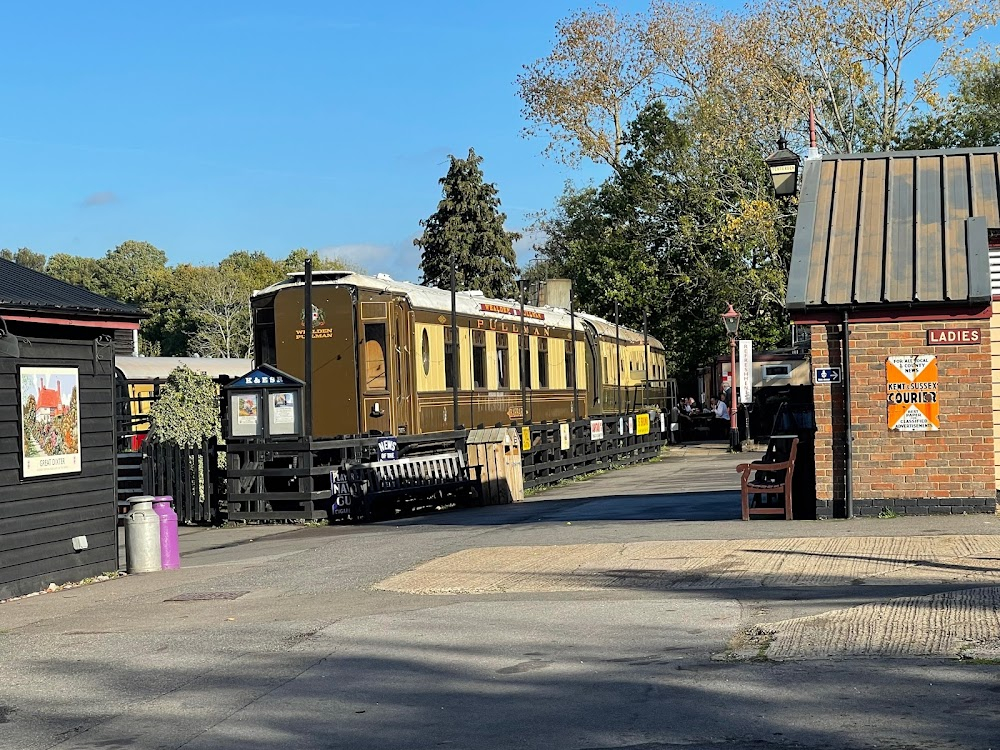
677,231
77,270
189,309
188,409
968,118
467,233
25,257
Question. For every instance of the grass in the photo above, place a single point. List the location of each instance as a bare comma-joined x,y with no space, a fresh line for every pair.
887,512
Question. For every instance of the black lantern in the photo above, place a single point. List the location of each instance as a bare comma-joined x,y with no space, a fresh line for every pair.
784,168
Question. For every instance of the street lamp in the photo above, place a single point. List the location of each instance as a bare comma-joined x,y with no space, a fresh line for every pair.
731,319
784,168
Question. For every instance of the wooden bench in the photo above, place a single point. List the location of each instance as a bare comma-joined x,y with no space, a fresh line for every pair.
773,481
377,487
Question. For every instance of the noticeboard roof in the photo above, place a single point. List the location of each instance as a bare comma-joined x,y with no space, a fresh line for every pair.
265,376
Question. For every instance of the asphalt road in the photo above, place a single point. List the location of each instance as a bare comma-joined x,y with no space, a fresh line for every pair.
311,653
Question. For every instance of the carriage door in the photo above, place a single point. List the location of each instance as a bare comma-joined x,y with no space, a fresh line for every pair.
403,377
593,370
374,362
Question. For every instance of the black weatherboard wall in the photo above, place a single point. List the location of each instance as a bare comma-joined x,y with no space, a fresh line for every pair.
58,326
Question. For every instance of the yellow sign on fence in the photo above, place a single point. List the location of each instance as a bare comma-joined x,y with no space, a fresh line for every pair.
911,388
525,438
641,424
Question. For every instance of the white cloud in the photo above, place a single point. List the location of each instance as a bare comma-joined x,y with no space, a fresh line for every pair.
102,198
400,260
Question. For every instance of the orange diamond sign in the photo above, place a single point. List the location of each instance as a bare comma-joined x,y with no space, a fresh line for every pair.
911,385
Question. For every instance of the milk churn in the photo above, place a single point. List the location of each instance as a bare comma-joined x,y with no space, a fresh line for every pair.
142,536
169,553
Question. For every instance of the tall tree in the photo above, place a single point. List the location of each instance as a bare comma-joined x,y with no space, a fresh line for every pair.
865,66
136,272
467,233
25,257
296,261
676,232
583,93
75,269
220,306
969,117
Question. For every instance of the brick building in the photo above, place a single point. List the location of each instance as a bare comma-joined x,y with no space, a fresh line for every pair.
890,269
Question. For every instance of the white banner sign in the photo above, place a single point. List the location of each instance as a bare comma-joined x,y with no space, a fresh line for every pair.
746,371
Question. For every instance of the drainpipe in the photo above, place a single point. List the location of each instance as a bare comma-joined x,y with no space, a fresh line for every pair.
848,431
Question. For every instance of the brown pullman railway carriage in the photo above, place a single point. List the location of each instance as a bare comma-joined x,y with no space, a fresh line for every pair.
382,357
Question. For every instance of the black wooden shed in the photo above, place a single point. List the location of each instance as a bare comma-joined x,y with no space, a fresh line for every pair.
58,514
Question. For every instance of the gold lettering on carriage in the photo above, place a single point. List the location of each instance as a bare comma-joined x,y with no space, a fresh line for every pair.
505,327
505,310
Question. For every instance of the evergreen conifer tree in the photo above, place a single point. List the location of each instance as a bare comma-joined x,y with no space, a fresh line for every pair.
467,231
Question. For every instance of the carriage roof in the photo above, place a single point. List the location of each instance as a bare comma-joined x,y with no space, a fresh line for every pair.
466,303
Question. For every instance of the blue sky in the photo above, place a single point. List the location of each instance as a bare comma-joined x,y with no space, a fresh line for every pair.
210,127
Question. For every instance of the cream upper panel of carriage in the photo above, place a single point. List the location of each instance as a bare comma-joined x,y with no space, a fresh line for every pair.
438,300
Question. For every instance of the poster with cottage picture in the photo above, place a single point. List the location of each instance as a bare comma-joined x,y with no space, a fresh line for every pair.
50,421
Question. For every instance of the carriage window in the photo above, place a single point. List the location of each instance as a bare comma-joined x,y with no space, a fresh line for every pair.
543,363
449,360
605,369
569,364
375,356
524,358
425,352
479,359
503,360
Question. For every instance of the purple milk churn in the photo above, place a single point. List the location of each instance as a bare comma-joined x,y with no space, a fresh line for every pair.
169,553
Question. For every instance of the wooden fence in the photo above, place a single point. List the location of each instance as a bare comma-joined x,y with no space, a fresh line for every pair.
564,450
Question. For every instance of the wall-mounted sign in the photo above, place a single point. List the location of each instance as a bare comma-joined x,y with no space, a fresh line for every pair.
826,375
564,436
953,336
50,421
911,385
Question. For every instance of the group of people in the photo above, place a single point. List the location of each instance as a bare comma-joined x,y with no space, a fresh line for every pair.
685,414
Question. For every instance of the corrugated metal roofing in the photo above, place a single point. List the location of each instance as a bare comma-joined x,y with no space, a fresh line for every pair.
24,288
895,228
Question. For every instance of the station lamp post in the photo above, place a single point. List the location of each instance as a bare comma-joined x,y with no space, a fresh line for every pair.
731,319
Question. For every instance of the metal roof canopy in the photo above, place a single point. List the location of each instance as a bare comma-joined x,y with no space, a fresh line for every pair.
898,228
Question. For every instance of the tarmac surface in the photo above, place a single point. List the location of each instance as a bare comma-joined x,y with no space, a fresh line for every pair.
632,610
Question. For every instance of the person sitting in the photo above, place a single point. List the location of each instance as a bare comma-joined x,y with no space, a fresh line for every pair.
721,412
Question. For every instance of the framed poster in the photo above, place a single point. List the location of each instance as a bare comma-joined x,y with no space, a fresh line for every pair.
911,385
50,421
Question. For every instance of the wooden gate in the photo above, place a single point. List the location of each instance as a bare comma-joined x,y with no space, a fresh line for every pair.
189,475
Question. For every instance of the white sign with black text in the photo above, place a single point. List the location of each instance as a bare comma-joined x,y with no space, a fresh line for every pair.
746,371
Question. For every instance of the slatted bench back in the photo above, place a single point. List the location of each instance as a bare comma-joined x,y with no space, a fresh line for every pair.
417,471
